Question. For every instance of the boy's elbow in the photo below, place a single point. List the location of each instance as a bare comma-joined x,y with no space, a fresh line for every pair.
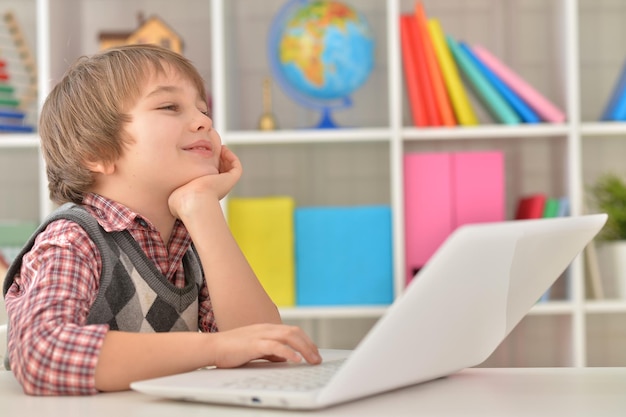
39,379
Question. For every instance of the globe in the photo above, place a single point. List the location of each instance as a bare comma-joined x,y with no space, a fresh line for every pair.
320,52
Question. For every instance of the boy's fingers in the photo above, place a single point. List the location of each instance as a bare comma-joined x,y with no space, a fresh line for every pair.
296,339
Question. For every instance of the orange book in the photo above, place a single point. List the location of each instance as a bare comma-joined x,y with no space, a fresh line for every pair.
423,76
418,110
444,107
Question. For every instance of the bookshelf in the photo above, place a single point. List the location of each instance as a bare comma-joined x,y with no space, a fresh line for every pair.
568,49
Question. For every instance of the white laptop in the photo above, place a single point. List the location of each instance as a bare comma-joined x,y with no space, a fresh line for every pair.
474,290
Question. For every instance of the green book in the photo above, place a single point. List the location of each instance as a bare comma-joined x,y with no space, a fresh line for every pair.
551,208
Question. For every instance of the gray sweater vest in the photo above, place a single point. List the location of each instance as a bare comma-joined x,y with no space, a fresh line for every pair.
134,295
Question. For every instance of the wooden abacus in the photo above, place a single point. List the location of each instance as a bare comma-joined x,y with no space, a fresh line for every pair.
25,60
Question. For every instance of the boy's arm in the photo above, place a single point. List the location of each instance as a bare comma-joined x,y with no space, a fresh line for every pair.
127,357
237,297
52,351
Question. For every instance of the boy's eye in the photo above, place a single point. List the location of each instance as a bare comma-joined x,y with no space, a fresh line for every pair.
173,107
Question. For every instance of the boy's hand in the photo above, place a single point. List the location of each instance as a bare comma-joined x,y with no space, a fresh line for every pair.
274,342
196,192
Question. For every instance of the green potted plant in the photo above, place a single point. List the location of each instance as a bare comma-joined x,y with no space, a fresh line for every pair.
608,195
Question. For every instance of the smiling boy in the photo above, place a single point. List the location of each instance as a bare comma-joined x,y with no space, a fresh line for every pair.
139,258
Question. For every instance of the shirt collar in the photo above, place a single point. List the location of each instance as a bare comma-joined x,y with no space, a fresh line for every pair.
111,215
115,217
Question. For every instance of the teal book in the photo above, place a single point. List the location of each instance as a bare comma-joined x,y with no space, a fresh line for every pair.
497,106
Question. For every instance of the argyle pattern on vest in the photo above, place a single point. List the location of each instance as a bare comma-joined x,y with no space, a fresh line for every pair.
133,295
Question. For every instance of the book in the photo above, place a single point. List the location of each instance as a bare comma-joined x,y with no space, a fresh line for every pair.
499,109
418,110
444,107
458,97
616,107
478,187
530,95
530,206
264,229
527,114
428,214
344,255
563,207
444,190
423,75
551,207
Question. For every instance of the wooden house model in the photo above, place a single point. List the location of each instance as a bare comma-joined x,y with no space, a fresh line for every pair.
152,30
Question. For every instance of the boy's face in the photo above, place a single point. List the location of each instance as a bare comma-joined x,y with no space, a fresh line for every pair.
172,140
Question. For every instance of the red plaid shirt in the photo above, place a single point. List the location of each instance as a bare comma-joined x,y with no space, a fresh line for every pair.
52,350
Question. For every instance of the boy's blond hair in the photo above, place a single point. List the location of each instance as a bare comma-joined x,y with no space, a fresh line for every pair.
83,116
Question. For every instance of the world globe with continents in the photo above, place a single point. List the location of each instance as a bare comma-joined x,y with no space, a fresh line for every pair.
320,52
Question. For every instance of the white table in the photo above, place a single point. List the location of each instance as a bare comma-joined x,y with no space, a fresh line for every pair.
536,392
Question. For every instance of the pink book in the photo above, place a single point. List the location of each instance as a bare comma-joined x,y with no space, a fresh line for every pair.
478,187
532,97
427,206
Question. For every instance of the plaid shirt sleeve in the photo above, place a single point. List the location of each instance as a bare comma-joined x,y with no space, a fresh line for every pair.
52,351
206,318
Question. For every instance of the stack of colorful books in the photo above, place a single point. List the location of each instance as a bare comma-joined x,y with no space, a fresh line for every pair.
439,69
316,256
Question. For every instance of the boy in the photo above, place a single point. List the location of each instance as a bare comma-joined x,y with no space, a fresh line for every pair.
114,289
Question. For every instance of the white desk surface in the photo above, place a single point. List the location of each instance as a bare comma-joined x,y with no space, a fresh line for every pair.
501,392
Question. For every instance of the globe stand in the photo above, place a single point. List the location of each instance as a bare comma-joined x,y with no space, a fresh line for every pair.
326,121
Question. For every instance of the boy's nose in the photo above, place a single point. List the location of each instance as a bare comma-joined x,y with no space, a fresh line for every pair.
202,122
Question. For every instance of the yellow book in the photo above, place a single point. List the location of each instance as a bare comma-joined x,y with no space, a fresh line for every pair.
460,102
264,230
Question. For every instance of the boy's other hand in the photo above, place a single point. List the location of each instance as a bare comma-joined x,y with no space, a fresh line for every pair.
274,342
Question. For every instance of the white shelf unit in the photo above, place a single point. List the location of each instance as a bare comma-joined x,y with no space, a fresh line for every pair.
236,86
546,42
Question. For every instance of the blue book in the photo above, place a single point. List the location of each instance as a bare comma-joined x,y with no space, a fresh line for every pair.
563,207
526,113
343,256
616,107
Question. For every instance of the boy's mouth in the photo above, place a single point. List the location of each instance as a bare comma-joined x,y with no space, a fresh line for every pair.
199,146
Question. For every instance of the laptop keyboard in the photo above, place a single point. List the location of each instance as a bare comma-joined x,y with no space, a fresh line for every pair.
293,378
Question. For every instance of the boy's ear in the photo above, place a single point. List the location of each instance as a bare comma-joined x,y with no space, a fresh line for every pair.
100,167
